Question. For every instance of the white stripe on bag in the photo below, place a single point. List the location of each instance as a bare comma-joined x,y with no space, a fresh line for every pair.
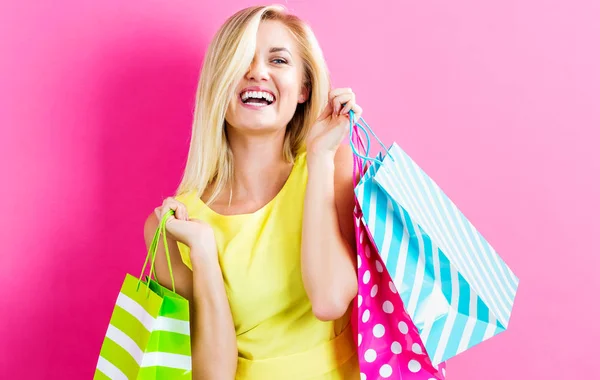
449,325
437,281
110,370
163,359
172,325
463,344
490,331
387,235
136,310
419,273
402,257
128,344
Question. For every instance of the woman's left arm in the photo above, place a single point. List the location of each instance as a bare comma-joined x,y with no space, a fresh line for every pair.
328,242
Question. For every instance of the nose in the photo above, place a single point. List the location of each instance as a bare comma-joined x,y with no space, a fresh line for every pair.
257,71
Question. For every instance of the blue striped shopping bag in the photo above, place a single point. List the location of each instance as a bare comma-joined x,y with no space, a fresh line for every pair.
456,288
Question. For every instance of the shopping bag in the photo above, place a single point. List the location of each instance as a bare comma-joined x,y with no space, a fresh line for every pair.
148,336
389,345
456,288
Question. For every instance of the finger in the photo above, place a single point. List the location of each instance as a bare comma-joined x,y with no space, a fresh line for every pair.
338,92
357,112
178,208
350,104
179,211
327,111
340,101
165,210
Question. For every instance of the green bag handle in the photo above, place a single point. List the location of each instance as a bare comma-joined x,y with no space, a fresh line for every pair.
151,256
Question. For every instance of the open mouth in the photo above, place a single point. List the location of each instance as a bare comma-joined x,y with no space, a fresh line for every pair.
257,98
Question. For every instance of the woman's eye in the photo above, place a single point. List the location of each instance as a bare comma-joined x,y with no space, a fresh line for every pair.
279,61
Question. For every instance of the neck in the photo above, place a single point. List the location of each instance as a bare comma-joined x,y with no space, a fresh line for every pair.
260,167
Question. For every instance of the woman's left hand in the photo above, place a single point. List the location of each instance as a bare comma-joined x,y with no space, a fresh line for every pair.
333,124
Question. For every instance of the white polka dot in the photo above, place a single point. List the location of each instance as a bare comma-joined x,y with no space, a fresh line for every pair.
370,355
444,372
378,330
359,339
416,348
396,348
359,261
368,252
359,300
366,315
414,366
388,307
357,221
403,327
366,277
374,290
363,376
385,371
393,287
378,266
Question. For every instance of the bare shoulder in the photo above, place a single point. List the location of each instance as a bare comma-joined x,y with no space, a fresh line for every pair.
150,226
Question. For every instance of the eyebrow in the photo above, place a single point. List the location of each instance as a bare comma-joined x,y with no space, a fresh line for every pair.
278,49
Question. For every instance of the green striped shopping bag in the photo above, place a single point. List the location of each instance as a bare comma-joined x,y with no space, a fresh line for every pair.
148,336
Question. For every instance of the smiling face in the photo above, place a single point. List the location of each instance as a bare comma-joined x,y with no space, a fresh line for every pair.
267,96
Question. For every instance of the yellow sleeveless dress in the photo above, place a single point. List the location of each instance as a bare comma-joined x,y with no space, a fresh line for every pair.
278,336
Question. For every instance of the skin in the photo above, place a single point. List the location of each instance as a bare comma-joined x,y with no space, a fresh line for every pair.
256,138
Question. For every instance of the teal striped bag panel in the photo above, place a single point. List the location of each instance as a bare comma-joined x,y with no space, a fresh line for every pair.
455,287
482,286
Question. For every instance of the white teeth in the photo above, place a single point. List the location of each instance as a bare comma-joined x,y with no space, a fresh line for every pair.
257,95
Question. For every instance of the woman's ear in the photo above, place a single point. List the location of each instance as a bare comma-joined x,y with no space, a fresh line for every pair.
304,92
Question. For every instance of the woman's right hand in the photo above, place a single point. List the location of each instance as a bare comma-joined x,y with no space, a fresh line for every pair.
194,233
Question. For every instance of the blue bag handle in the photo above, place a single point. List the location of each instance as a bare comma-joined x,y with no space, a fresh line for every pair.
364,128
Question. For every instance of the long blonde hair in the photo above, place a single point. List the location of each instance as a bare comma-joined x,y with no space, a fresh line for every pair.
229,55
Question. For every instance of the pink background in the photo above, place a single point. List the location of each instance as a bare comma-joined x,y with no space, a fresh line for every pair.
498,102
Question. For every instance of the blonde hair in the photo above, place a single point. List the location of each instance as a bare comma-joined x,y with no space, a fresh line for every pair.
227,60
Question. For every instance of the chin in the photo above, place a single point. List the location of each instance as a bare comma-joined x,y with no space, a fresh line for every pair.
254,126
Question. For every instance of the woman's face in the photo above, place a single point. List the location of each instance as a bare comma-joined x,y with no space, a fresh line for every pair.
267,96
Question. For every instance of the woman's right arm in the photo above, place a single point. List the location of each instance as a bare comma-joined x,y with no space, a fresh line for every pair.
214,344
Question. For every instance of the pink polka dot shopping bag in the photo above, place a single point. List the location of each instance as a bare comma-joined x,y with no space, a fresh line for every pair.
389,346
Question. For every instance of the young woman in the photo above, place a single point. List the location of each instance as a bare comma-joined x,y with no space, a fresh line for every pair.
262,241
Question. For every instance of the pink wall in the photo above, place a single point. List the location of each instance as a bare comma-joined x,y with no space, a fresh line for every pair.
499,102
